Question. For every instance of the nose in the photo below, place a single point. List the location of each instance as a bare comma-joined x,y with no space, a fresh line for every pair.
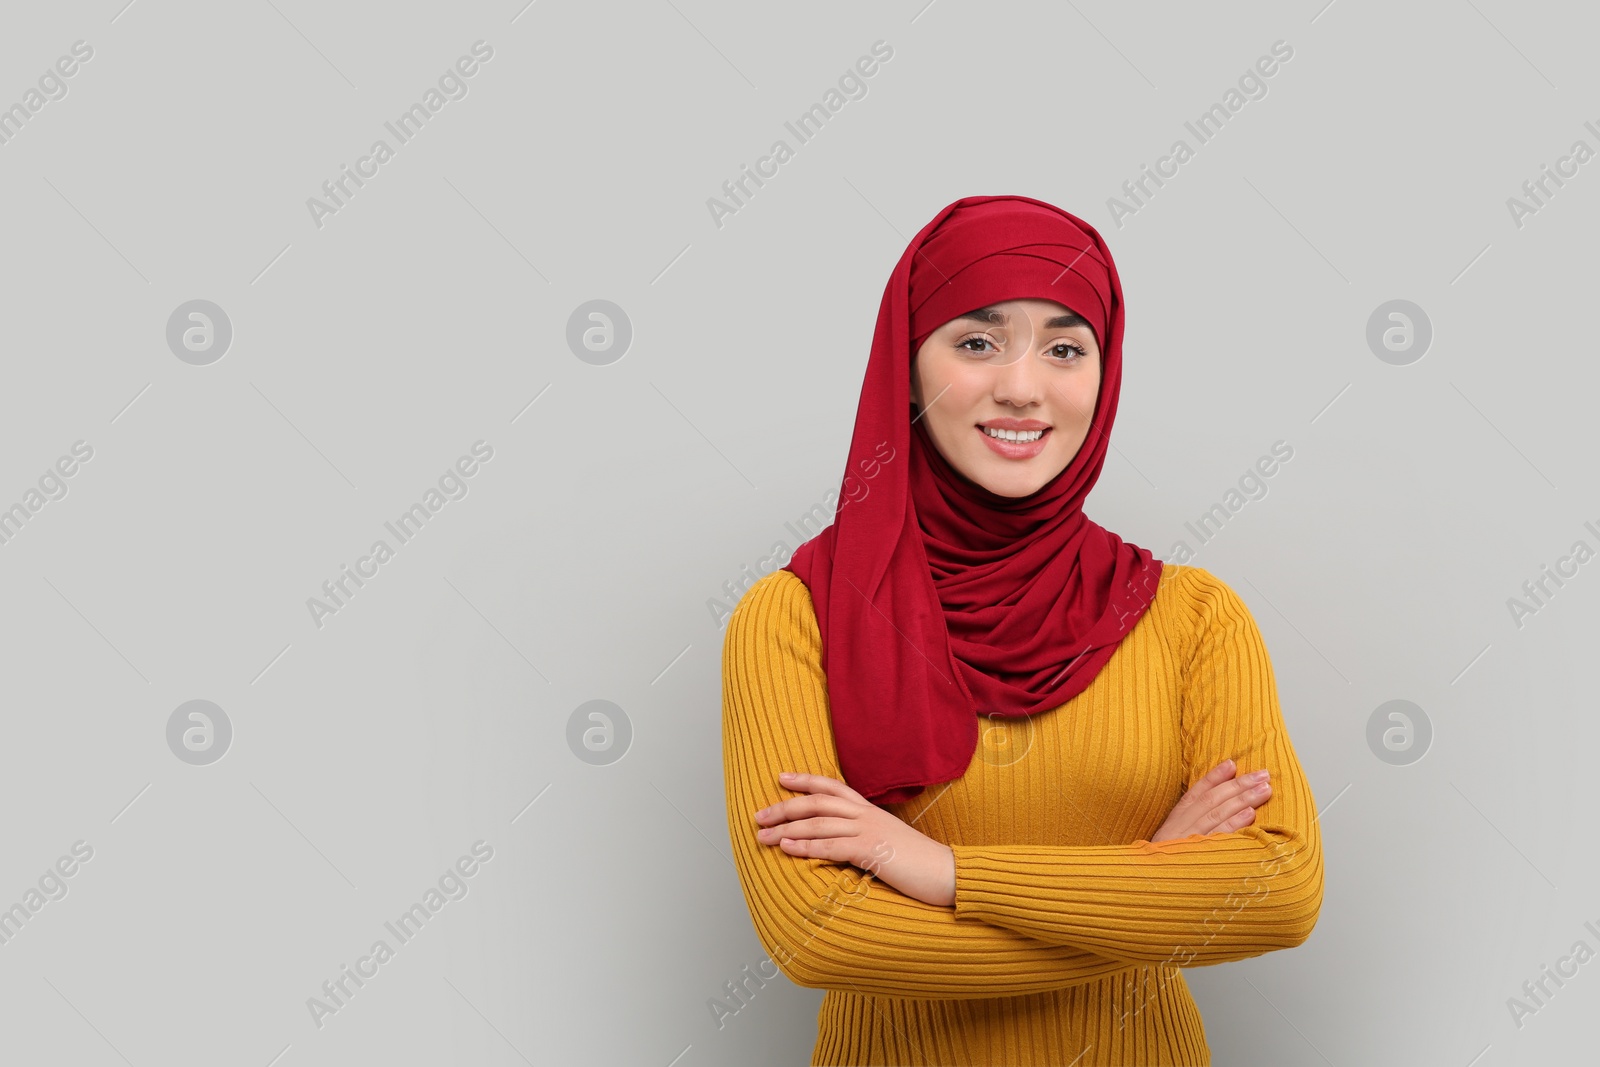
1019,380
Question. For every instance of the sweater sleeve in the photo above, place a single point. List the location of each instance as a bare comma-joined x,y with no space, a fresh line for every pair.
830,925
1199,900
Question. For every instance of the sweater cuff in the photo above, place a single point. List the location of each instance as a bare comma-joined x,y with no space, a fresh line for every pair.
975,882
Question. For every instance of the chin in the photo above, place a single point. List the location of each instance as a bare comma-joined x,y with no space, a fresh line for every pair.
1013,481
1013,485
1014,490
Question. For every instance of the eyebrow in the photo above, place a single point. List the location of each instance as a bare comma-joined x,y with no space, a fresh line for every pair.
996,317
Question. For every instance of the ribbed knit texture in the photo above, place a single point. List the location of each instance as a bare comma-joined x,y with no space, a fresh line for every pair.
1069,926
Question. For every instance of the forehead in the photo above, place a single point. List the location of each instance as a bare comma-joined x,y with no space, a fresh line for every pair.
1030,306
1055,315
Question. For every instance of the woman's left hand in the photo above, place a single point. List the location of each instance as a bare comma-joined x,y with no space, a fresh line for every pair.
834,822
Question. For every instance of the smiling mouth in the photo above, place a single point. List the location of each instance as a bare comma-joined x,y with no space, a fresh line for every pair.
1015,436
1016,446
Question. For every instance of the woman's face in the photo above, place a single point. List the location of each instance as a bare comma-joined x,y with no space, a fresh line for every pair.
1024,366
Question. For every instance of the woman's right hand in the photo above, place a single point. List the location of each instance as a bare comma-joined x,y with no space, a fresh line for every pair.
1216,804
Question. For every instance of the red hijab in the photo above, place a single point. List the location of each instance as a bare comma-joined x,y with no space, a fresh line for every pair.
937,600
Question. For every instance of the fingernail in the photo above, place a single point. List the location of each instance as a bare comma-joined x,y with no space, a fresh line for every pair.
1256,776
786,776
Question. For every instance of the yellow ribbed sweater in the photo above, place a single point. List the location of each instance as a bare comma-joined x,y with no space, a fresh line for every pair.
1069,925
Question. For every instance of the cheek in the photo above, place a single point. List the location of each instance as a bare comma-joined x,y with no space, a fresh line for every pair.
1085,392
1078,414
947,392
968,383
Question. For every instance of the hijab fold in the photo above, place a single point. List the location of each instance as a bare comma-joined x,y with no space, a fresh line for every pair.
937,600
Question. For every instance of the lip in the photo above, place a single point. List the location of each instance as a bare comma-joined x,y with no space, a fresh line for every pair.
1014,424
1014,449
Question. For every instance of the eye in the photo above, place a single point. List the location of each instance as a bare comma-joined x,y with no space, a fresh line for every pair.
1073,353
980,338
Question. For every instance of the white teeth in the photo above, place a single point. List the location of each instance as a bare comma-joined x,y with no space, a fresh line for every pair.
1013,435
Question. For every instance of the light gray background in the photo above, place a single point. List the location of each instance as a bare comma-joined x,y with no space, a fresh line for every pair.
433,710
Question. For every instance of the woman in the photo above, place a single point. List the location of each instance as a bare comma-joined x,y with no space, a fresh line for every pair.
1097,831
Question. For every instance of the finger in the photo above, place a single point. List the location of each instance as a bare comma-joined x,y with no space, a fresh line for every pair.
1250,792
1240,820
818,783
820,848
1222,772
1253,793
834,849
810,829
801,807
1220,813
1223,810
1216,794
1200,792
